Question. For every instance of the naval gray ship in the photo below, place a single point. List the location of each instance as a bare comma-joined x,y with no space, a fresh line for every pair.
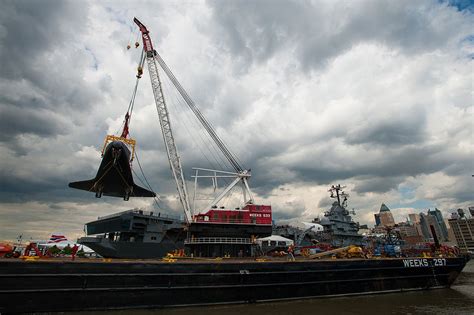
336,227
339,227
134,234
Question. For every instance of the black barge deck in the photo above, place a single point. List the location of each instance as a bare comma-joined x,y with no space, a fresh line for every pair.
61,285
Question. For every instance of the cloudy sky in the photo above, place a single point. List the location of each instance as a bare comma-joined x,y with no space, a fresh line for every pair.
374,95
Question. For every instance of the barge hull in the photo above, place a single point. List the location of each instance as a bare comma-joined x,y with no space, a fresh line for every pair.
72,286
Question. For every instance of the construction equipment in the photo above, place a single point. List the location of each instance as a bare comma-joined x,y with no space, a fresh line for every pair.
240,175
165,124
8,251
350,251
355,251
30,249
329,252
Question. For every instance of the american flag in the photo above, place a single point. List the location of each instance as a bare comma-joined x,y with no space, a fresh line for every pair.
56,238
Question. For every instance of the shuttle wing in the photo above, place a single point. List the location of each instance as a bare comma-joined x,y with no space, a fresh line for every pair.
142,192
83,185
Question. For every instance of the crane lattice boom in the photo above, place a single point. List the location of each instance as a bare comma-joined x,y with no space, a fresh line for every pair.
240,175
172,151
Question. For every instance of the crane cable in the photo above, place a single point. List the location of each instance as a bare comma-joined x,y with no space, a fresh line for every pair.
126,124
145,182
134,93
233,160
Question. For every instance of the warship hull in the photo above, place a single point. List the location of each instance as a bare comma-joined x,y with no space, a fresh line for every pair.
136,250
66,286
134,234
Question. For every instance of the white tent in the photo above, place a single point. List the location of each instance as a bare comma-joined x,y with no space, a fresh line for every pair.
275,240
315,227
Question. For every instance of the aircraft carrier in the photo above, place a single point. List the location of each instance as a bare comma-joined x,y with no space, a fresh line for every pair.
134,234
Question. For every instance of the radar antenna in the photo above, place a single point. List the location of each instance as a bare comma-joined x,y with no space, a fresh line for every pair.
337,193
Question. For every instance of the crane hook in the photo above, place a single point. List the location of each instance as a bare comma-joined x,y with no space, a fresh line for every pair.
139,72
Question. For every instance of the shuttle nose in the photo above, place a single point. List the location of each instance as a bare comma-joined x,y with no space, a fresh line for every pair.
116,145
116,150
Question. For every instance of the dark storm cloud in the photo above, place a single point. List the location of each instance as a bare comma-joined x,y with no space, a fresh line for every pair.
325,203
377,184
288,210
35,32
43,96
328,166
33,28
15,121
407,128
254,31
42,67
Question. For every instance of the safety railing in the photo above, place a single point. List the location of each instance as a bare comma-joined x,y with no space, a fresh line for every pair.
218,240
140,212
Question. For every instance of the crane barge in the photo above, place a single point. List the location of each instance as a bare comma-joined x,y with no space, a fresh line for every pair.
214,231
60,285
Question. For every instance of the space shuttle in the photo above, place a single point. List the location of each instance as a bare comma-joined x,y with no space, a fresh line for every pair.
114,177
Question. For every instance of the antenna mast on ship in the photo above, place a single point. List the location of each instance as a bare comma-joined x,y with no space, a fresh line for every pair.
240,175
337,192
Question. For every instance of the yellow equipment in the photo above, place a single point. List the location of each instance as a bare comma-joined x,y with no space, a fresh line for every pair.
129,142
355,251
343,252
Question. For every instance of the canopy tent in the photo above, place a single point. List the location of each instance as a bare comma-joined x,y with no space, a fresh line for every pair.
275,240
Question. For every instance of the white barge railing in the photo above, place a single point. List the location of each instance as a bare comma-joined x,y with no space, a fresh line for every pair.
218,240
141,212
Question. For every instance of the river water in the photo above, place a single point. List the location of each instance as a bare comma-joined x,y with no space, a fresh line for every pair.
457,300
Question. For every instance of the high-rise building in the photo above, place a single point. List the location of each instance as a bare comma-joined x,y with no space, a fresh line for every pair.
409,232
407,229
377,219
414,218
384,217
451,236
463,229
425,222
443,230
433,218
